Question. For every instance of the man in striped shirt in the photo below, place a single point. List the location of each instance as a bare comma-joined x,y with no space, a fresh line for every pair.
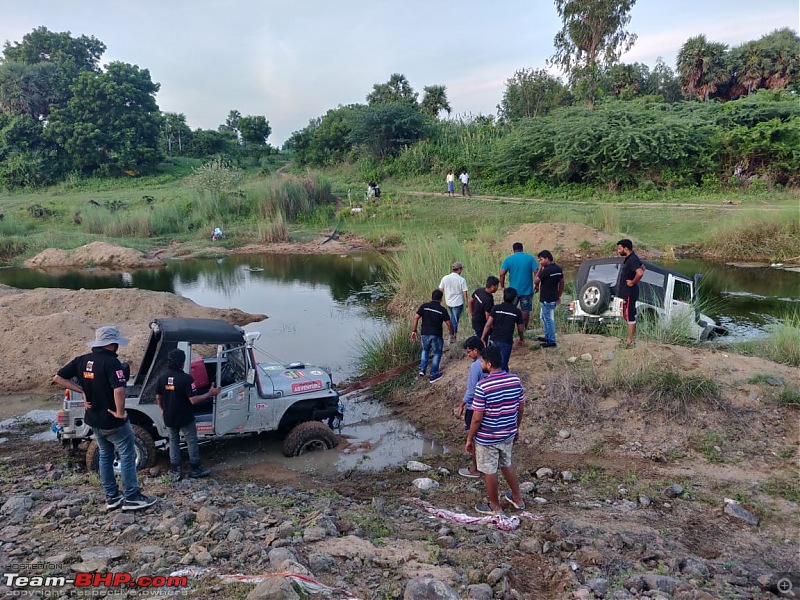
497,409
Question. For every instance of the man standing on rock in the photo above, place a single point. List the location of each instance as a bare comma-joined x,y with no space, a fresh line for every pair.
496,416
433,316
102,381
630,273
454,287
520,267
550,280
176,394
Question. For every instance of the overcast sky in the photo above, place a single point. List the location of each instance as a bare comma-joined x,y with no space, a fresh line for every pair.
293,60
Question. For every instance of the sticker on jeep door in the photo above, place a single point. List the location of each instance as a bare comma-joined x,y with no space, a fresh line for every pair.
306,386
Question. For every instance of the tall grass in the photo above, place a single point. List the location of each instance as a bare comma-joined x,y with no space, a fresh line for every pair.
273,230
782,345
390,348
291,196
756,235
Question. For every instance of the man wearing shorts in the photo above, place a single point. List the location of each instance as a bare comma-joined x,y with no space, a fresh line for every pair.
521,268
496,414
630,272
474,346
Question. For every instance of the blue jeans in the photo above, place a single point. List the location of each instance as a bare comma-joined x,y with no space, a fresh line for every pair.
190,435
548,320
505,353
455,315
122,441
431,344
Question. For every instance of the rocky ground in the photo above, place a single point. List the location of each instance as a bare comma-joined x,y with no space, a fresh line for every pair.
632,501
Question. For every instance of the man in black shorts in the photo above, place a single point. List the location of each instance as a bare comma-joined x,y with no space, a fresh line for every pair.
630,272
481,303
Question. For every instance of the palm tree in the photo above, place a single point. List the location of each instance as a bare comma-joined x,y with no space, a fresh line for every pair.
702,66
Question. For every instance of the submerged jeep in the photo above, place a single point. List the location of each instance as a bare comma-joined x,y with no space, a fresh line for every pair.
664,295
254,397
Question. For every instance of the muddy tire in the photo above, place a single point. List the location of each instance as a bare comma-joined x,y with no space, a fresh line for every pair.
594,297
143,444
309,437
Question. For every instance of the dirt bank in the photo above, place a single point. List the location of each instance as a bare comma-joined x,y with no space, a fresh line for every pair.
96,254
42,329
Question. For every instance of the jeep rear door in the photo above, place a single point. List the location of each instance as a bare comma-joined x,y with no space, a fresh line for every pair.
679,298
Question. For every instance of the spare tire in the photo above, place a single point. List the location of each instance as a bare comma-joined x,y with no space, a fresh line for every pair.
594,297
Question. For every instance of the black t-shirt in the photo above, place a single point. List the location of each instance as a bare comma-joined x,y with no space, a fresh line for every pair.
175,388
506,316
549,277
482,303
433,315
99,373
628,271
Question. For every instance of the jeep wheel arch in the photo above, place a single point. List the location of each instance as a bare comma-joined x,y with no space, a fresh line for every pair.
144,446
594,297
309,437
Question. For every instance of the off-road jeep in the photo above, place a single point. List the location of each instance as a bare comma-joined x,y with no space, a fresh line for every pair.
663,295
255,397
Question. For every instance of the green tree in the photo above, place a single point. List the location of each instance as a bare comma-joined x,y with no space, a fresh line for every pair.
27,89
663,82
111,123
69,55
397,89
628,80
592,38
384,129
175,133
254,129
531,93
231,124
434,101
205,143
702,66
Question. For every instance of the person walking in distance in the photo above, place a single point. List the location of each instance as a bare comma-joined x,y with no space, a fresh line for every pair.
630,273
101,379
454,287
474,346
550,280
497,410
480,304
176,394
450,179
520,268
502,319
464,177
433,316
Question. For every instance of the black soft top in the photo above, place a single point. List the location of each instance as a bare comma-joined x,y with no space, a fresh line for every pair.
198,331
583,270
165,335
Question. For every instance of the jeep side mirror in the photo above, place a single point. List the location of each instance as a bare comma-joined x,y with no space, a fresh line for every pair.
251,376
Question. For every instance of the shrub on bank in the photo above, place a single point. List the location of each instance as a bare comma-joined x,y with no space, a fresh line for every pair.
756,235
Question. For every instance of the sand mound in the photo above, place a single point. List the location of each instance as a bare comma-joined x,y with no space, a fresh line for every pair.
567,241
96,254
42,329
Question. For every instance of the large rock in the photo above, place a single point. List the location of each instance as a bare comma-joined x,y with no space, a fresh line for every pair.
16,507
274,588
106,553
481,591
428,588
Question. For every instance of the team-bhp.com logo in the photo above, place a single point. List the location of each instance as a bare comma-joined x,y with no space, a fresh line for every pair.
92,582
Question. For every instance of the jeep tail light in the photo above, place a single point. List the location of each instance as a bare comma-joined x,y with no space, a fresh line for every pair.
67,397
572,306
62,418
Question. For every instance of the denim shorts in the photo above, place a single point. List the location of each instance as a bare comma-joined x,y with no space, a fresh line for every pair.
525,303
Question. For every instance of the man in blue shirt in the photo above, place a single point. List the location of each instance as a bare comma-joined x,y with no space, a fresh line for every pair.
521,268
474,346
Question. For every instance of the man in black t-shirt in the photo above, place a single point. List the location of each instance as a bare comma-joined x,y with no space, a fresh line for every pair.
102,381
433,315
630,273
550,281
481,303
502,319
175,394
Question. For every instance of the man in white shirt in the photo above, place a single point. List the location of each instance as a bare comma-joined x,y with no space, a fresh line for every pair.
464,177
454,287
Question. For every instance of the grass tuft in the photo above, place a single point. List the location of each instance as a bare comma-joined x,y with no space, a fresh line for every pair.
756,236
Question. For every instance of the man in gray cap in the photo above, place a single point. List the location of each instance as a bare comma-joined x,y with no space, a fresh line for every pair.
454,288
101,379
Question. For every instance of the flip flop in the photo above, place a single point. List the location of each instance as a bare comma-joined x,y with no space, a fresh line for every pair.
464,472
509,497
485,509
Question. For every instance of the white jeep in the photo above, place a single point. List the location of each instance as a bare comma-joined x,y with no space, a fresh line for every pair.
255,396
663,295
